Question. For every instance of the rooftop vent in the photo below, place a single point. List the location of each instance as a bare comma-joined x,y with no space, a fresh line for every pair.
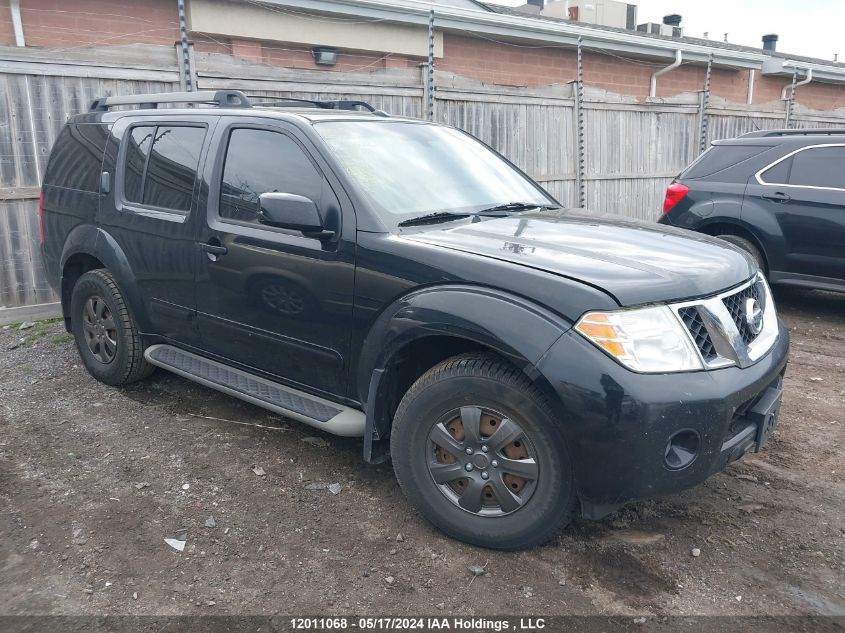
672,20
770,42
669,30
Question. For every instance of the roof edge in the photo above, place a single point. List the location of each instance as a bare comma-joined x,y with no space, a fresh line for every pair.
528,28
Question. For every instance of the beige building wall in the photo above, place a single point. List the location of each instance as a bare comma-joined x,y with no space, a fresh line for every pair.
240,20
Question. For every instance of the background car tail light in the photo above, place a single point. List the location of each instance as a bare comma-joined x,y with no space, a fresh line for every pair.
674,194
41,217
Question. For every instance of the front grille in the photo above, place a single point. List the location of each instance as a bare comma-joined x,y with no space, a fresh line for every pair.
735,304
692,319
718,327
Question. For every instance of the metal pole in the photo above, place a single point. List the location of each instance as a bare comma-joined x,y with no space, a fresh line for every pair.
791,101
429,71
187,69
580,185
705,103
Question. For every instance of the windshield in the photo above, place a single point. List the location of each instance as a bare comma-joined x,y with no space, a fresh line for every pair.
410,169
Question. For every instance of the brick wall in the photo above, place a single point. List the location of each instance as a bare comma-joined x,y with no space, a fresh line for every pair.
85,23
511,65
7,33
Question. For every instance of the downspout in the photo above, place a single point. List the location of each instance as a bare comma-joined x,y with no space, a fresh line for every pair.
17,23
672,66
803,82
750,87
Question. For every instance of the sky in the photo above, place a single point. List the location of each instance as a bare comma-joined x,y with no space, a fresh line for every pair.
813,28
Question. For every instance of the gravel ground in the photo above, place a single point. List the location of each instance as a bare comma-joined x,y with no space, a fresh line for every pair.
94,479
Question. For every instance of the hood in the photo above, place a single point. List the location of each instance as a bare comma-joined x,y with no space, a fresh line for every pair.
635,262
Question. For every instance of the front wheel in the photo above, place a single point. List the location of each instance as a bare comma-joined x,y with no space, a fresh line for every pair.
477,451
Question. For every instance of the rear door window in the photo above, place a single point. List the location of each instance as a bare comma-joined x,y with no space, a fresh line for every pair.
778,174
819,167
160,166
137,152
813,167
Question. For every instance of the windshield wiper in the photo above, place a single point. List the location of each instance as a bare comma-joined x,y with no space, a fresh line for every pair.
433,218
499,209
517,206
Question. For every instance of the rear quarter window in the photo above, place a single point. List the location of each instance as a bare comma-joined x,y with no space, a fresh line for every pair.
721,157
77,157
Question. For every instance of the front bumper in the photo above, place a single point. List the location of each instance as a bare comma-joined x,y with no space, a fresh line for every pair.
618,423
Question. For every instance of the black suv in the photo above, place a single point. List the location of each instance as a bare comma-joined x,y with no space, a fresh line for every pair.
399,281
779,195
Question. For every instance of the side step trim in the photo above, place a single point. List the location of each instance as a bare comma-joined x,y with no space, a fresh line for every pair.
317,412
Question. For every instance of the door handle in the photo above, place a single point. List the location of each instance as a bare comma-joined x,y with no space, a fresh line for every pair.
214,249
777,196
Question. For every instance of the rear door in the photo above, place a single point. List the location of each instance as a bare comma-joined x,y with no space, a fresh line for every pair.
149,213
805,191
272,299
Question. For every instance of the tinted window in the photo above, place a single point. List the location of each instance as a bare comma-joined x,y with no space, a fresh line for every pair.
778,174
172,167
819,167
137,150
260,161
77,157
721,157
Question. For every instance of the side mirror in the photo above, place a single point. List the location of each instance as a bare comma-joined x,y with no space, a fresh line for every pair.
289,211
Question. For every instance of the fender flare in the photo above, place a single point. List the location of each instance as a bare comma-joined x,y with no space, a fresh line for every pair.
765,247
518,329
91,240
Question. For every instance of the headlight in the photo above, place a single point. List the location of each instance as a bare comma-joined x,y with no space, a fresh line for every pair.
650,340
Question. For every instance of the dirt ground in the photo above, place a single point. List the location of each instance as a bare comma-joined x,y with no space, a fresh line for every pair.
93,479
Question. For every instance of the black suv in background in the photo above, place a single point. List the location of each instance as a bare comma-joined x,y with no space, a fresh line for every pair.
399,281
777,194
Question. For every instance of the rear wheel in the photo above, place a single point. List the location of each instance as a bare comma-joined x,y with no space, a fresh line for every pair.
748,247
477,452
106,335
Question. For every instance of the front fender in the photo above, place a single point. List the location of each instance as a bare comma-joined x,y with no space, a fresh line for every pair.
516,328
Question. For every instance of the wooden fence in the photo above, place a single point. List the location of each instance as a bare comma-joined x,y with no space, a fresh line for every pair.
631,150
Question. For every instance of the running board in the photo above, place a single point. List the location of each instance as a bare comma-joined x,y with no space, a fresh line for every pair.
322,414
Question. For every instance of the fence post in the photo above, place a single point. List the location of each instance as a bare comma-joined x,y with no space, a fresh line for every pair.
429,70
580,164
186,73
705,103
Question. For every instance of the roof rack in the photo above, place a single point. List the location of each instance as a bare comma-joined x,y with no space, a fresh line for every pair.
220,98
325,105
815,131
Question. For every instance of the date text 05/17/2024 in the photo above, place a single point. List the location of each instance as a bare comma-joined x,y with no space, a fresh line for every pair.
418,624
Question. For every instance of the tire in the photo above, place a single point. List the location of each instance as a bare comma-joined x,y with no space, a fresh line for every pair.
106,334
458,387
748,247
